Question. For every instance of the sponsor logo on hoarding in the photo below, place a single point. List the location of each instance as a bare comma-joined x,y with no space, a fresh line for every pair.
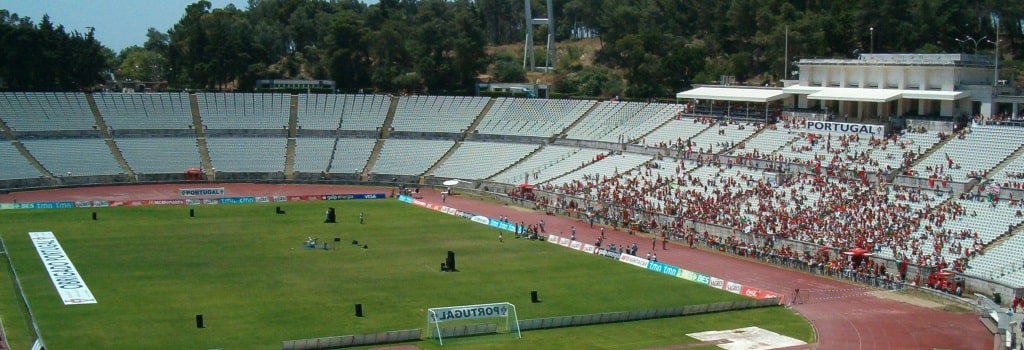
701,278
480,219
633,260
733,287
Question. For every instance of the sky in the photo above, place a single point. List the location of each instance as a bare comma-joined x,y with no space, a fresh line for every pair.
119,23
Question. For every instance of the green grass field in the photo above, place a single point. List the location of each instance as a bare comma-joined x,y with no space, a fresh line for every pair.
152,269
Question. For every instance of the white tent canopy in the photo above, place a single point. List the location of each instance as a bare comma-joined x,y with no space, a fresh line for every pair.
732,94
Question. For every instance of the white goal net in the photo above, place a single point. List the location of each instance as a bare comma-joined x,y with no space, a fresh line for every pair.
462,321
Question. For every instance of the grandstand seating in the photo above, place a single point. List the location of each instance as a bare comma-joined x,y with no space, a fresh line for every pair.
479,160
1003,261
15,166
973,153
981,218
676,131
610,167
244,110
159,155
351,155
732,133
144,111
247,154
319,112
768,141
451,114
79,157
550,162
365,112
313,154
409,157
42,111
1011,176
531,117
641,123
606,116
892,154
348,112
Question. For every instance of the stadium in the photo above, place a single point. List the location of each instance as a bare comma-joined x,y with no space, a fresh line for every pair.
848,229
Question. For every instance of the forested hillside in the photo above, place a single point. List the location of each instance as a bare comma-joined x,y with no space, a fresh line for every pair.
644,48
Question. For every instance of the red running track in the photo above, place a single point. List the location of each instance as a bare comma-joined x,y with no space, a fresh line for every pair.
861,321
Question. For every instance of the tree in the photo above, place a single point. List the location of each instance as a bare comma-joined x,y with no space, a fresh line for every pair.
46,57
507,69
141,64
187,45
348,54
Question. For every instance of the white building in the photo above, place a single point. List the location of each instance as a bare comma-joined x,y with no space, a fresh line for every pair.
878,86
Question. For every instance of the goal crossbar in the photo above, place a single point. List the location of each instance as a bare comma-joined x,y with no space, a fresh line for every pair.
438,315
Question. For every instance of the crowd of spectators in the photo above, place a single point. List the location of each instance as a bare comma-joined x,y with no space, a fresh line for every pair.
836,202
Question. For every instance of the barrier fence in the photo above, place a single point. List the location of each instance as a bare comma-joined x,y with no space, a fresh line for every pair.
345,341
638,315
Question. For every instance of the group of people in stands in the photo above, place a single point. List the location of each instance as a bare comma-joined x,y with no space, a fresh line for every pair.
1018,177
998,117
832,204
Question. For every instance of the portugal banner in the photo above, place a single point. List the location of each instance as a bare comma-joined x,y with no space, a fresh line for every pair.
866,129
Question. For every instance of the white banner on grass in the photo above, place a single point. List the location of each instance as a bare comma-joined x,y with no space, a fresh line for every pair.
65,277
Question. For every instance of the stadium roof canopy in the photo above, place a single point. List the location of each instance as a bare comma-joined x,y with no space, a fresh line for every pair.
875,95
732,94
935,95
802,90
856,94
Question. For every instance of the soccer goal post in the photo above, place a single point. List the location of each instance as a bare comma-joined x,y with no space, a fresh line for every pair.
458,316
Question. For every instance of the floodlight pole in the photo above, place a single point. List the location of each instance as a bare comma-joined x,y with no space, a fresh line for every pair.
785,60
872,29
995,77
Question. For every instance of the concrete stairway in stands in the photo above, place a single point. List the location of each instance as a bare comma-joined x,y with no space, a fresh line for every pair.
293,122
204,153
372,160
476,121
108,139
443,158
574,123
